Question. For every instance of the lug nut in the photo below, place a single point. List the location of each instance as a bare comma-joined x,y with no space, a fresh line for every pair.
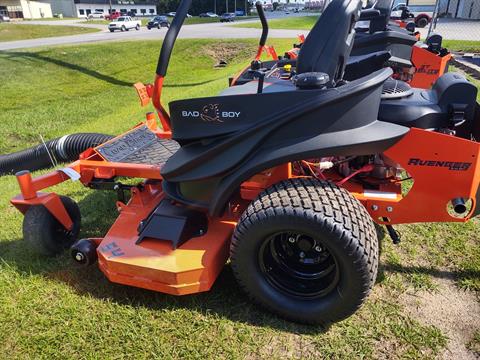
79,256
291,239
374,207
318,248
302,255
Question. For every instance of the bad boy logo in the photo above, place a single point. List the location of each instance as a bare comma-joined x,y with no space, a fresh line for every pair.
211,113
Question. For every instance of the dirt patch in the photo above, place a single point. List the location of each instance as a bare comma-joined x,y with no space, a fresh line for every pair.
225,51
454,311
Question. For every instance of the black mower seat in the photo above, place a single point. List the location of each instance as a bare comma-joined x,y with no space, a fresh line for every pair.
427,109
399,45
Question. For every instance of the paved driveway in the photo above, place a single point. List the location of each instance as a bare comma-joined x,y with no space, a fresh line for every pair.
456,29
211,30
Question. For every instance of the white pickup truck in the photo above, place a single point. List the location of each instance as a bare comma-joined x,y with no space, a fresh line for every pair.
124,23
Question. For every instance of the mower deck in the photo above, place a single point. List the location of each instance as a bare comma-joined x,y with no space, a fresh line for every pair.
153,264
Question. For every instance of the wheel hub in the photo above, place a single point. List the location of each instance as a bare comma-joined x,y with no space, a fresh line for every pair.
298,264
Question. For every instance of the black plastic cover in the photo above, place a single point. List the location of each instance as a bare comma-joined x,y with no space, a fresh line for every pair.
431,109
173,223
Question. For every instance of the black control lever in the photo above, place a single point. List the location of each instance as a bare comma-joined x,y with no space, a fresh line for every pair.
263,20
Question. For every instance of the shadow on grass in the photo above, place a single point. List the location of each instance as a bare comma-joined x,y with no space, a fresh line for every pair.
82,69
224,300
440,274
13,56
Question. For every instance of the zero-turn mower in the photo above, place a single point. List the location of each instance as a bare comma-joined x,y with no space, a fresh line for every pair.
286,178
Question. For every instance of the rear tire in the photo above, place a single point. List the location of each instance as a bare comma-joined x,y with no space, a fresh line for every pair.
111,30
44,233
422,22
123,28
137,27
306,250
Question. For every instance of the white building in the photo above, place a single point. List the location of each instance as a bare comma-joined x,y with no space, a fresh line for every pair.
136,7
25,9
65,7
464,9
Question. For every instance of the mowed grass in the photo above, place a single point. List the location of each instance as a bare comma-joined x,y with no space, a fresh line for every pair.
51,309
294,23
462,45
11,32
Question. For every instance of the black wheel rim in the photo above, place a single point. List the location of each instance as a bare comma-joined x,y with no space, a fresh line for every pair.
298,265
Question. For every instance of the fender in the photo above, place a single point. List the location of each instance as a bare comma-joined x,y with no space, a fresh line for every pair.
214,193
371,139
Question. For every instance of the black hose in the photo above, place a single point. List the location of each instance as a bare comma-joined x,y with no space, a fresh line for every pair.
64,149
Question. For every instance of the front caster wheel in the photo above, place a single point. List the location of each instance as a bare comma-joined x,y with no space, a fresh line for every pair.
44,233
306,250
84,252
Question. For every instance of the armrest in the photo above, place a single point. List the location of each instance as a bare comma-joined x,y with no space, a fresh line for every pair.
369,14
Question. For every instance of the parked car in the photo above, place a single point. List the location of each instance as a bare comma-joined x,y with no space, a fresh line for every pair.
4,18
227,17
172,14
158,22
239,13
124,23
96,15
208,14
114,15
403,12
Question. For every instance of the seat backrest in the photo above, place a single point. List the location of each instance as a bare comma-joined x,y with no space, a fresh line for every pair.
328,45
380,22
385,8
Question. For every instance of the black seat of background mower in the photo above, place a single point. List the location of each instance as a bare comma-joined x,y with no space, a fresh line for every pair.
380,22
428,109
399,44
385,36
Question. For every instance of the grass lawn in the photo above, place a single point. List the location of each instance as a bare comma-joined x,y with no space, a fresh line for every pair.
53,19
422,306
462,45
295,23
11,32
